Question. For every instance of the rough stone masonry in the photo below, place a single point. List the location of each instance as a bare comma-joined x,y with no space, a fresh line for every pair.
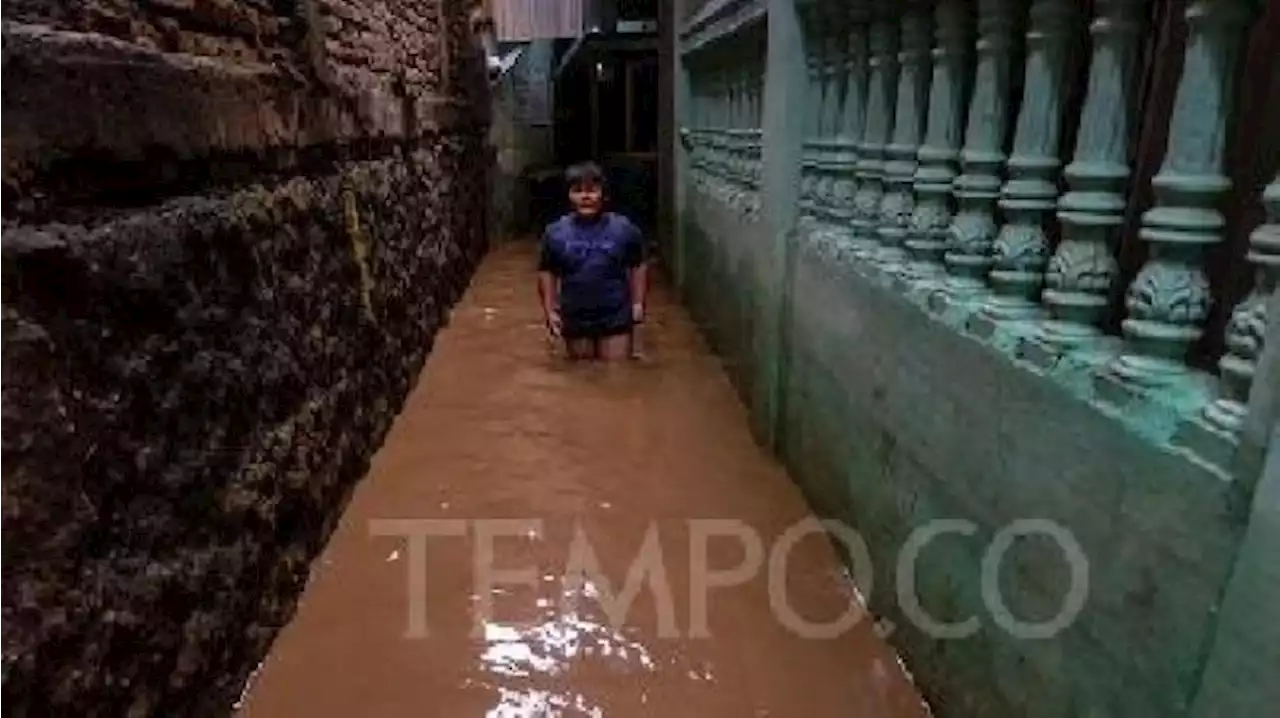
232,229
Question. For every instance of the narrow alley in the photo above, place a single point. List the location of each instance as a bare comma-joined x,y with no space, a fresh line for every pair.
501,428
957,395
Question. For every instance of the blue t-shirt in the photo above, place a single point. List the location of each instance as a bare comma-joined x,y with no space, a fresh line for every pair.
592,258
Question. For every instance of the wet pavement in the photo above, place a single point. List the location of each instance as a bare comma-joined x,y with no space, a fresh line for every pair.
552,489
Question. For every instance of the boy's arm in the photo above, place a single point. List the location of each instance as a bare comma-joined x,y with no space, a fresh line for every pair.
639,277
548,288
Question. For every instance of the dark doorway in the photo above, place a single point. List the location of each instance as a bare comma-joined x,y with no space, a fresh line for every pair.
606,110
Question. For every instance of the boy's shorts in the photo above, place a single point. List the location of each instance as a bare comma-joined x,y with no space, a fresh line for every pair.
597,327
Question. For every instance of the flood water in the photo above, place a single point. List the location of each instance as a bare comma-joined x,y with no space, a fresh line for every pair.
557,483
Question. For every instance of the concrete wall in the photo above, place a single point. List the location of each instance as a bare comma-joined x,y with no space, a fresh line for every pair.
1239,678
891,415
890,418
231,232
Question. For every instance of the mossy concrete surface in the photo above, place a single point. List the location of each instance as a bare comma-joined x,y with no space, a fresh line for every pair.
891,419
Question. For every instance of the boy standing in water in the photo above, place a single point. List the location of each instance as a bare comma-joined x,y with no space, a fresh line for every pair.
591,272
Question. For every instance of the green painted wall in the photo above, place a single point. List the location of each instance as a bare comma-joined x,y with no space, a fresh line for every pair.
890,419
891,416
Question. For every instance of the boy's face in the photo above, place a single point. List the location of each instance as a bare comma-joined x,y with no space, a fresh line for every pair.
586,198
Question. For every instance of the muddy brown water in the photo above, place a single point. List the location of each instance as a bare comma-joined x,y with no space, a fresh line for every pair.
645,469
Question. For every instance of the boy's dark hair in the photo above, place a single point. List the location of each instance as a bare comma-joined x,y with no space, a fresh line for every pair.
584,173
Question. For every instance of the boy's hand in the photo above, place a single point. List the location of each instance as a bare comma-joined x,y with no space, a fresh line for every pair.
555,324
637,313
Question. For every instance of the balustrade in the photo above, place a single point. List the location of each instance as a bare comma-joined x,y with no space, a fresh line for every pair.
926,162
724,136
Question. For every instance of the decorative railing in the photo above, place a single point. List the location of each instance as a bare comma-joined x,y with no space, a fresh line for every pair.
969,200
725,56
1048,174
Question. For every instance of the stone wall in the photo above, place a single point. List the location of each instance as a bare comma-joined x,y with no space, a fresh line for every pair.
231,232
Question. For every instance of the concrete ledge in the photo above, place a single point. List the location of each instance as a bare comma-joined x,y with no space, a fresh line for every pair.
1156,411
719,19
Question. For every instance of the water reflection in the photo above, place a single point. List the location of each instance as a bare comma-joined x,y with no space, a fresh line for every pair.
549,648
566,636
528,703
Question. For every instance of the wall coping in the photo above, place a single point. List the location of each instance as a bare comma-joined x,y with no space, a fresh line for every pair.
718,19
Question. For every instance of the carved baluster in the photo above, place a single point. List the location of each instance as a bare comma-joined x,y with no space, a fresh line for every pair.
726,126
706,133
900,162
973,231
743,78
832,87
757,122
1022,249
1168,301
1214,434
722,128
744,128
708,129
689,128
931,217
808,159
1083,268
881,90
713,110
737,97
844,148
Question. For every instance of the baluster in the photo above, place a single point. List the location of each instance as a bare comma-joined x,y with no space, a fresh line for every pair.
931,217
726,125
758,125
704,125
881,90
973,230
1021,251
724,141
744,131
812,126
721,126
746,123
738,98
1168,301
900,162
1214,433
704,132
829,114
1083,269
844,148
708,123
